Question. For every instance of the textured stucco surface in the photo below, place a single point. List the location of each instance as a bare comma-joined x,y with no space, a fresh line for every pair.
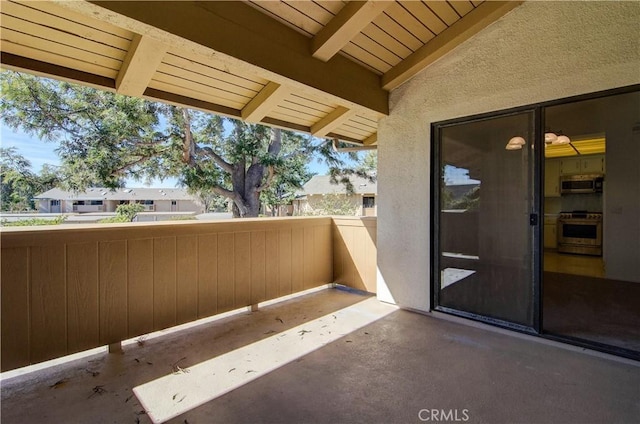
540,51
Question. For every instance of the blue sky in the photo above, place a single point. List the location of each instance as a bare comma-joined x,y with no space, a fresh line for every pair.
457,176
39,152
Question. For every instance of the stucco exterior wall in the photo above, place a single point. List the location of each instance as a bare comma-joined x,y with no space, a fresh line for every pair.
180,206
43,206
540,51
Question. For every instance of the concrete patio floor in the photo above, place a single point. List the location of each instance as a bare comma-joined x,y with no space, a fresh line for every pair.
332,356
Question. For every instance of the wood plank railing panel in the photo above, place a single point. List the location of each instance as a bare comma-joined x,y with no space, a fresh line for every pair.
258,267
323,238
297,259
16,311
207,275
48,338
186,279
82,296
242,263
113,285
355,252
307,258
164,282
272,270
226,272
284,264
73,287
140,286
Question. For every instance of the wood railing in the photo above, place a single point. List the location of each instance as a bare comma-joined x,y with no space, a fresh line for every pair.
355,252
70,288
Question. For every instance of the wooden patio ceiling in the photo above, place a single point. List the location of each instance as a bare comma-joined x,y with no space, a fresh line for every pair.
321,67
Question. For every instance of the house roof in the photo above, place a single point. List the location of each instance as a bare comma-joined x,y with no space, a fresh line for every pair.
100,193
322,67
321,184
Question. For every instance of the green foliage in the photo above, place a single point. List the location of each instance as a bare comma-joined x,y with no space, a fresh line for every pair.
103,138
369,162
182,218
114,219
124,213
129,210
34,221
19,184
468,201
334,204
100,135
211,201
366,167
290,173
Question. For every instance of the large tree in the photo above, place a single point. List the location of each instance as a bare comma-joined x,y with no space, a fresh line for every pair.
104,138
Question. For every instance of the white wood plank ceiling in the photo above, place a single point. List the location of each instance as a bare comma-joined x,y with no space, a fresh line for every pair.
321,67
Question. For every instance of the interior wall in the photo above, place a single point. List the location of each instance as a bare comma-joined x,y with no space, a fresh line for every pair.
538,52
621,230
618,117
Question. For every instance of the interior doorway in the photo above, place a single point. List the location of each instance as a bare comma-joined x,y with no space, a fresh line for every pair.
536,221
591,278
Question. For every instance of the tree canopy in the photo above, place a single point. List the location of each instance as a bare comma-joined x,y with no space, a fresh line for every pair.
104,138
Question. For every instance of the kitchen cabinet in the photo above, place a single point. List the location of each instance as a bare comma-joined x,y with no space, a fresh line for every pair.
594,163
550,232
552,177
582,165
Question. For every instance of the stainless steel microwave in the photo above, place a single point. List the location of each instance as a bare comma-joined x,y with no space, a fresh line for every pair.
589,183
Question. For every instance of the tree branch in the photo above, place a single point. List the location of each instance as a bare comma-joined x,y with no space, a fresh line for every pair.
275,145
267,183
57,123
188,150
222,192
120,170
237,199
216,158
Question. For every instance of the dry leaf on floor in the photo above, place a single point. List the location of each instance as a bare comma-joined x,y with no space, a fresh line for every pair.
58,383
98,390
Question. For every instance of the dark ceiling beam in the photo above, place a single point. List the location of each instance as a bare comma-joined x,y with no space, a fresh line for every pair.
48,70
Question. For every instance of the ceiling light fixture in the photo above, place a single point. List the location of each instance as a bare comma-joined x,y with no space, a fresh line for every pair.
515,143
551,137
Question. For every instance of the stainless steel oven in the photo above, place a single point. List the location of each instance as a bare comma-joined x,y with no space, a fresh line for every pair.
580,232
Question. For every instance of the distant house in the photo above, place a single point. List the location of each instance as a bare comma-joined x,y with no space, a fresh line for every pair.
312,197
107,200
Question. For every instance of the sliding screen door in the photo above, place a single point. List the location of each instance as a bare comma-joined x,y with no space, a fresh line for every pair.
483,225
